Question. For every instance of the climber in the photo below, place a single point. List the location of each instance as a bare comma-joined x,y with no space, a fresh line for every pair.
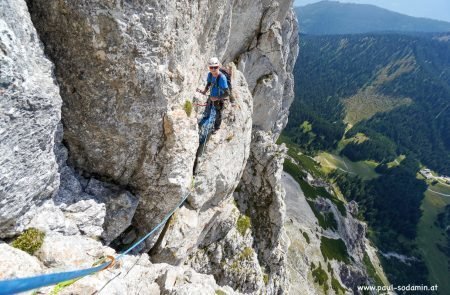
220,90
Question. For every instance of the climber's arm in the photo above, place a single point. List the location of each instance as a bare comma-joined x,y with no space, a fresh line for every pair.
206,87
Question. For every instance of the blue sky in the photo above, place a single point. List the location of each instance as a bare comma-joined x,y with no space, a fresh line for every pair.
436,9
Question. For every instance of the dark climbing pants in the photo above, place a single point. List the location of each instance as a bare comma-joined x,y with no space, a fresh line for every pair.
219,108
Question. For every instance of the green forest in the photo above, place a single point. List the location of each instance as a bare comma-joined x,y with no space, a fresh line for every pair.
401,85
332,68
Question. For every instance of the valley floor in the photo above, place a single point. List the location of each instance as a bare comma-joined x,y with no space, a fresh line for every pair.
429,235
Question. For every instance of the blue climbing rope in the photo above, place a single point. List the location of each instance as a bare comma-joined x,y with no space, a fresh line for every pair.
155,228
13,286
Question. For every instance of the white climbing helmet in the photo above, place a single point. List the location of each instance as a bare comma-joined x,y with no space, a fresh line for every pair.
213,61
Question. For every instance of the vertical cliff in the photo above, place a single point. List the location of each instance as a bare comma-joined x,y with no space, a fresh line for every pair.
124,154
29,113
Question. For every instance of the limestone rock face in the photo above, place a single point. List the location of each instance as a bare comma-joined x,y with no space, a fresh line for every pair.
85,206
127,71
217,175
306,234
29,113
16,263
120,207
220,163
262,198
250,258
131,274
268,67
232,260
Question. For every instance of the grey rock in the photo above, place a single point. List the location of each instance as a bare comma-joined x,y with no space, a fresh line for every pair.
220,165
188,228
232,261
262,196
70,188
353,277
296,204
353,232
223,223
16,263
322,204
183,280
305,236
120,207
29,113
59,149
349,229
88,215
70,251
97,208
352,208
219,169
132,67
268,68
125,70
129,237
130,275
125,76
50,218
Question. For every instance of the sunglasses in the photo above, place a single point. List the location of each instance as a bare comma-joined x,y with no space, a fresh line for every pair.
213,68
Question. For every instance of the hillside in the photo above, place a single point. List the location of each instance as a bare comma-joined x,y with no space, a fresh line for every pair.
373,109
332,17
393,88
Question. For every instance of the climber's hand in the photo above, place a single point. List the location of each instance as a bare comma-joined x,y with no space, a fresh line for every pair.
201,91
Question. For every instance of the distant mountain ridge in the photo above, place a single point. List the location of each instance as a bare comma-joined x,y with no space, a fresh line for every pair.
332,17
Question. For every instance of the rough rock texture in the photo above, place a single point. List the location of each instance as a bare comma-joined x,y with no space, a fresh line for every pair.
123,74
300,224
16,263
227,253
253,260
221,163
87,206
29,113
120,207
131,275
268,66
305,254
353,232
349,229
262,198
125,70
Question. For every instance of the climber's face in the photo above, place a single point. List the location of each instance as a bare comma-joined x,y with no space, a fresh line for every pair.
214,69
